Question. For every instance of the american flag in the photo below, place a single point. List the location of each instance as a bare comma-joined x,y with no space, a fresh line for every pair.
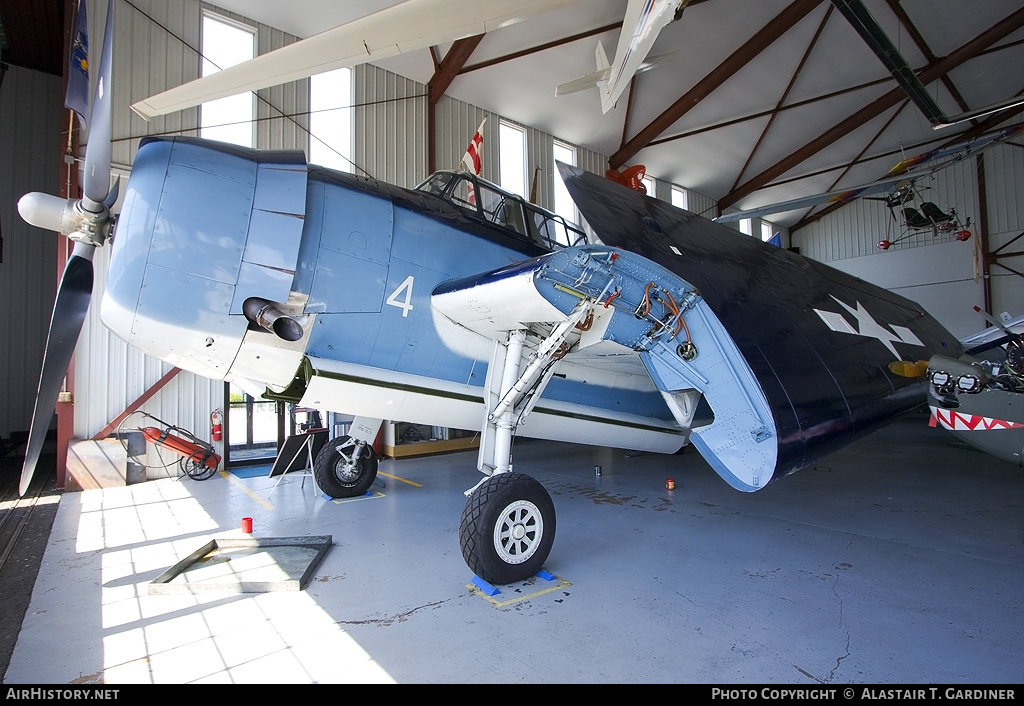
471,160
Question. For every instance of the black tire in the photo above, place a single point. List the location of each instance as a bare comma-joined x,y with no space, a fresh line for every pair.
337,475
507,528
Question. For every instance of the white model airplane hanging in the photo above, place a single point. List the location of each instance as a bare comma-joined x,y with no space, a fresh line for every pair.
641,25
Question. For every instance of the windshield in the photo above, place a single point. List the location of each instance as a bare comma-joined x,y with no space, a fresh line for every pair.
507,210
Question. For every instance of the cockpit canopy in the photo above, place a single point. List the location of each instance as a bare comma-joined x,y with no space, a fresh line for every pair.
492,204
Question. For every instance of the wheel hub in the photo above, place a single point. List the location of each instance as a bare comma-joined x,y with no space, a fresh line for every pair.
518,532
347,468
346,471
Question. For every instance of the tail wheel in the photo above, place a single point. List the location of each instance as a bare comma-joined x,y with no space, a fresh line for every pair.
507,528
345,468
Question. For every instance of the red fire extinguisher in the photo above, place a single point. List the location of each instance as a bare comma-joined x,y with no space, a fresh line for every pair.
217,425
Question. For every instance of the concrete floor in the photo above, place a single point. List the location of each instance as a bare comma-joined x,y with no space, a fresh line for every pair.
898,560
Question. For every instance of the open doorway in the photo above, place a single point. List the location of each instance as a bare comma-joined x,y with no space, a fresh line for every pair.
254,428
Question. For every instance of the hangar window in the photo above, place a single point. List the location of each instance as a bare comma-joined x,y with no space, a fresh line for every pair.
226,43
564,205
680,198
767,231
512,156
747,226
651,185
330,119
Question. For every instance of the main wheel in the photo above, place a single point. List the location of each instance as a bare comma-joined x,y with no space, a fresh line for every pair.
339,473
507,528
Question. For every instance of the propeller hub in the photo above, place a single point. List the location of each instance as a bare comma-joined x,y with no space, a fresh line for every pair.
91,227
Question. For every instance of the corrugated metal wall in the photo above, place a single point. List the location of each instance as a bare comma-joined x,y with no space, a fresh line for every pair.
390,124
30,152
155,48
937,271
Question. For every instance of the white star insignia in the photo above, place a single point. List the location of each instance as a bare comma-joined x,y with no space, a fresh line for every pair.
868,327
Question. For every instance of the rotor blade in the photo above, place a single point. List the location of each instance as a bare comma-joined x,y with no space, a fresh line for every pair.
837,196
69,312
407,26
900,172
97,152
958,151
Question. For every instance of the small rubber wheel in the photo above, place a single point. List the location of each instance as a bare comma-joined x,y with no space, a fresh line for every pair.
507,528
196,469
339,473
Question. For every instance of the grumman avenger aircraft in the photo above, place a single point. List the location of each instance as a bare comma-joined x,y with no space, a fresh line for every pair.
428,306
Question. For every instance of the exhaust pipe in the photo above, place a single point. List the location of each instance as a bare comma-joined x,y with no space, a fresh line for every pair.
266,315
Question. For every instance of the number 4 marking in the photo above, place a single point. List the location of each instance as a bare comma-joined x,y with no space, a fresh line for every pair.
406,303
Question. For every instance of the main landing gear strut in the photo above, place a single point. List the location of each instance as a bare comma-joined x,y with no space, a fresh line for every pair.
508,525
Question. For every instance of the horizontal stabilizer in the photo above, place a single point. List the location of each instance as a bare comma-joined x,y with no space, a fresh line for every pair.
591,80
595,78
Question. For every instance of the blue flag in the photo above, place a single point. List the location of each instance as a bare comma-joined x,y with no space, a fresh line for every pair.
77,96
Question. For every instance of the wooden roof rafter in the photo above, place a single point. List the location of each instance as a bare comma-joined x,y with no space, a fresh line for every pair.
785,94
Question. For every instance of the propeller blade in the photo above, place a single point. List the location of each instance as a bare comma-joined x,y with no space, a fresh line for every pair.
112,196
97,153
69,311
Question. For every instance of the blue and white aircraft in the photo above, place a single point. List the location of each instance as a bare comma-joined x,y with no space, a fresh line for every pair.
457,304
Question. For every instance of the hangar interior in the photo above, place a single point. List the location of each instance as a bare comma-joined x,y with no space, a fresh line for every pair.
896,559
